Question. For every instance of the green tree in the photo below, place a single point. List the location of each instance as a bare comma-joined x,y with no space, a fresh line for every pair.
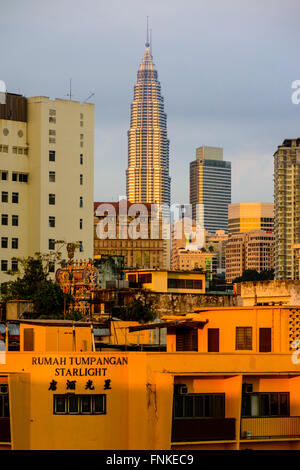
141,311
254,275
32,284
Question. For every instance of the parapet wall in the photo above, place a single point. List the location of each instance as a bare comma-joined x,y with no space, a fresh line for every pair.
252,293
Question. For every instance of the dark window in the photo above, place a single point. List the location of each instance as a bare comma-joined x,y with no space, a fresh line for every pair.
4,265
28,344
15,198
266,404
14,265
79,404
14,243
51,267
4,219
265,340
52,176
15,220
81,179
4,242
203,405
184,284
15,176
81,159
4,196
243,338
23,178
13,337
81,202
213,339
80,246
186,339
51,155
52,199
145,278
4,175
80,224
51,221
51,244
4,403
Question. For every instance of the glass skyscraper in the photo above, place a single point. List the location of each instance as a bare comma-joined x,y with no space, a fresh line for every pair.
210,188
147,176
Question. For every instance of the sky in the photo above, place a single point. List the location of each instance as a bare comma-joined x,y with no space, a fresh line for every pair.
226,69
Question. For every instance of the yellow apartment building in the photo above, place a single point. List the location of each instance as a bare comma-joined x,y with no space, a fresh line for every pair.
228,380
177,282
47,175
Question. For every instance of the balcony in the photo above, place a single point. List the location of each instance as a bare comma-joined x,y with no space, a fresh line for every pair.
203,429
269,428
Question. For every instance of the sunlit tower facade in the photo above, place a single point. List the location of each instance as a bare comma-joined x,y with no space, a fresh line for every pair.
147,176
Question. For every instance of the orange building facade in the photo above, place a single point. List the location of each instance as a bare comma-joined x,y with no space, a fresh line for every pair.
229,378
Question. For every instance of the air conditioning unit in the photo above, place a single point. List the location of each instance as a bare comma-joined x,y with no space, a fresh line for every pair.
181,389
247,388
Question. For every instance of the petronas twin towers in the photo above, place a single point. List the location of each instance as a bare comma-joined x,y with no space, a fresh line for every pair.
147,176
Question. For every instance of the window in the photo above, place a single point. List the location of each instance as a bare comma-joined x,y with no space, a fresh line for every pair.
4,401
14,243
51,267
51,244
199,405
15,220
81,201
15,198
145,278
243,338
79,404
81,159
184,284
81,179
4,219
52,176
51,221
4,175
4,265
80,246
4,242
14,265
213,339
186,339
52,199
266,404
23,178
4,196
14,177
13,337
28,344
51,155
264,339
80,223
52,112
52,132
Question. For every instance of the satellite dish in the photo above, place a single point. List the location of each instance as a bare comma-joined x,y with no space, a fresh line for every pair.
2,87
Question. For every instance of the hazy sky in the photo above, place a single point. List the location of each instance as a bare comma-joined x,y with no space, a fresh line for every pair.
225,67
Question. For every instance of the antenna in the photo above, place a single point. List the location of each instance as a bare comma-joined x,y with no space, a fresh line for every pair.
90,96
70,93
147,40
151,42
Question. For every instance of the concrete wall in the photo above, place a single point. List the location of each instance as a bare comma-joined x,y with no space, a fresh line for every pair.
268,292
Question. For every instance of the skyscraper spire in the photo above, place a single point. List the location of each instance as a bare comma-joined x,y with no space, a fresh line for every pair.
147,176
147,38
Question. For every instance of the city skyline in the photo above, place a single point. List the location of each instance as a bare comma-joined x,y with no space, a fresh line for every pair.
226,72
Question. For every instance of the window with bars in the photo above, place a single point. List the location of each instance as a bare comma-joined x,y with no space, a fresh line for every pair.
266,404
79,404
243,337
199,405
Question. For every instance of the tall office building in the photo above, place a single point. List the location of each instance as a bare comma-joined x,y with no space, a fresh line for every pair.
147,176
287,208
46,174
247,216
210,188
